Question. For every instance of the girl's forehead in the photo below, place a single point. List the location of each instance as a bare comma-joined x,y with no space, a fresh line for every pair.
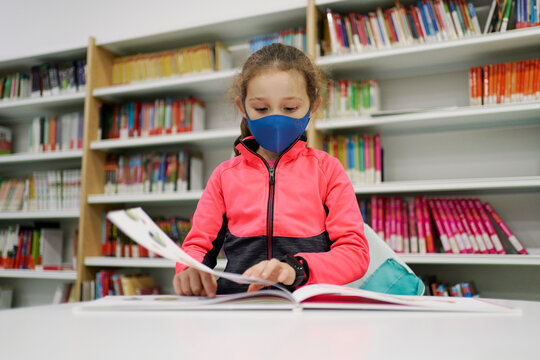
273,82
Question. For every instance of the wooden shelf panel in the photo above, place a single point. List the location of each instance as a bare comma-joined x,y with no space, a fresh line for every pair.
27,158
200,139
444,56
191,196
103,261
525,183
200,85
40,106
459,118
40,215
470,259
38,274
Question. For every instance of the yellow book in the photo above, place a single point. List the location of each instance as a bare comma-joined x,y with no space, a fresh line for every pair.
222,57
341,150
207,58
197,58
188,56
116,72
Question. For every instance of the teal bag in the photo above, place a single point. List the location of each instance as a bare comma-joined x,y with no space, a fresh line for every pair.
387,273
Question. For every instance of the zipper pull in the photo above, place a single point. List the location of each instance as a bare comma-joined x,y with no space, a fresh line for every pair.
272,173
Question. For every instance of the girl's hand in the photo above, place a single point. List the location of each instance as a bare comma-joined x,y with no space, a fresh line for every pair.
271,270
194,282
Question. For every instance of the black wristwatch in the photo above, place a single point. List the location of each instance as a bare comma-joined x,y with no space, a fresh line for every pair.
301,273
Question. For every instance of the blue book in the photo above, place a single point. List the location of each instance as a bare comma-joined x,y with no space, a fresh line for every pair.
413,28
350,153
343,32
424,19
431,13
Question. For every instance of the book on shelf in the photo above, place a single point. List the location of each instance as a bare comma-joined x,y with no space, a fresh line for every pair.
137,225
360,155
504,15
43,190
5,140
56,133
64,293
294,37
350,98
154,172
44,80
505,83
148,118
462,226
164,64
108,282
427,21
437,288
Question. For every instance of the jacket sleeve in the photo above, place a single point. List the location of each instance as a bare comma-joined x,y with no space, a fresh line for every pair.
348,258
209,225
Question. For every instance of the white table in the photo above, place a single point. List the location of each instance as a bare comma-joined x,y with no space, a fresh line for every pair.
55,332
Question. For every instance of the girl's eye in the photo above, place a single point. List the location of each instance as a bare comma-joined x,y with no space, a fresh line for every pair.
261,109
291,109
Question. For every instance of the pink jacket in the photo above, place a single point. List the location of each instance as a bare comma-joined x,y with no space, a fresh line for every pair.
305,206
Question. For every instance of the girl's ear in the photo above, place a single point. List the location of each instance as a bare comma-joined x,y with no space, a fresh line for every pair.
316,105
238,103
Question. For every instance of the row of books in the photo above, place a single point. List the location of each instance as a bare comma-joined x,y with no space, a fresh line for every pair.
64,293
108,282
294,37
360,155
505,83
43,190
5,140
116,244
44,80
462,225
433,287
351,98
31,247
512,14
187,60
433,20
160,117
154,172
56,133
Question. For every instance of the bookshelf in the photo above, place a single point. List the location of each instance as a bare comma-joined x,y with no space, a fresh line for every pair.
37,274
39,215
162,198
29,158
101,261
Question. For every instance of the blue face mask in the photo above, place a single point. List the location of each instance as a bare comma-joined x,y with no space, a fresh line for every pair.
277,132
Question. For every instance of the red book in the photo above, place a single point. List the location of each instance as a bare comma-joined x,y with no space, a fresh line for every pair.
362,30
481,227
443,236
405,228
417,25
19,255
420,225
489,227
380,216
387,218
511,237
374,213
430,242
413,237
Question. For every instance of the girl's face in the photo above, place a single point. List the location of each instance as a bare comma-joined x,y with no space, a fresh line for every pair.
276,92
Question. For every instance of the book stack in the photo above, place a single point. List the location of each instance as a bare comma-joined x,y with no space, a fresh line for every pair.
5,140
360,155
437,288
154,172
460,226
294,37
351,98
506,83
56,133
429,21
44,80
512,14
142,119
32,247
114,243
183,61
108,282
64,293
43,190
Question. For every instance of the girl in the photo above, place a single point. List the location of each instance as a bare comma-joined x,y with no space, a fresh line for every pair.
282,211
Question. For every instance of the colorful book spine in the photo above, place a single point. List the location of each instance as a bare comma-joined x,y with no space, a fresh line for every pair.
518,246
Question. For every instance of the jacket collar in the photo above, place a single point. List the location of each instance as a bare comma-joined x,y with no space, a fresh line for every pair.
248,149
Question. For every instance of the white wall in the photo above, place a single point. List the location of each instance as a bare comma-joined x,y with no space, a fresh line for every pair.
37,26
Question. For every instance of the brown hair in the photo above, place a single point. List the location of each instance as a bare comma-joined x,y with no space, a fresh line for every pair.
281,57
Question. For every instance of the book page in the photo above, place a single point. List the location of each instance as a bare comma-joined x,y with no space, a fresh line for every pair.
136,224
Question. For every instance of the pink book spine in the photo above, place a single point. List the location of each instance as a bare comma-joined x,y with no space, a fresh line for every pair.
393,224
453,226
489,227
405,222
477,234
420,225
412,229
399,224
465,235
481,227
430,241
374,213
446,225
366,159
438,224
380,216
387,225
378,170
511,237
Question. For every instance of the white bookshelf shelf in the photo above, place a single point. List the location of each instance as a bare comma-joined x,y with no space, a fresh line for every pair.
526,183
39,274
192,84
206,139
40,215
435,57
33,106
190,196
103,261
470,259
458,118
39,157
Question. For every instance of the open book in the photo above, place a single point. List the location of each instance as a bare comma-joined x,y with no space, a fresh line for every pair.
136,224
